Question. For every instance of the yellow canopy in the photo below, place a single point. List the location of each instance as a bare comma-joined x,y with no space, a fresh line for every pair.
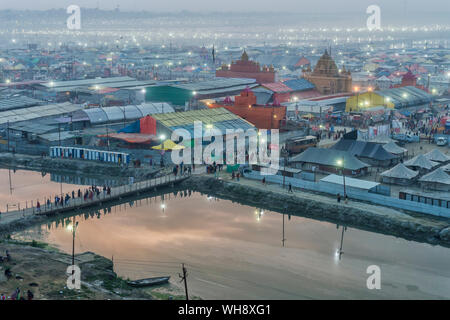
168,145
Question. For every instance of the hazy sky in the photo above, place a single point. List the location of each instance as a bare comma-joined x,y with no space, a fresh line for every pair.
326,6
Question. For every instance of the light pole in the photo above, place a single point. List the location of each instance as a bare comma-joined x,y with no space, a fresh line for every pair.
284,154
73,228
341,163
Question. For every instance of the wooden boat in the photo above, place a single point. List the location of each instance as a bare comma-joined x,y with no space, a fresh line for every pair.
148,282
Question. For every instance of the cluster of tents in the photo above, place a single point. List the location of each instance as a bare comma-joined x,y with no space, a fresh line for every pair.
421,166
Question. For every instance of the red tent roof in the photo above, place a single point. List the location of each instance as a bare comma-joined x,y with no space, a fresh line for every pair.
303,61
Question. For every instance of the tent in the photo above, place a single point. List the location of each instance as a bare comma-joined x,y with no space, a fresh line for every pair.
399,174
393,148
437,155
437,180
168,145
421,162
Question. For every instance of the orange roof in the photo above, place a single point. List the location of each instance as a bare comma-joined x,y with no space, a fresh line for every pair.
277,87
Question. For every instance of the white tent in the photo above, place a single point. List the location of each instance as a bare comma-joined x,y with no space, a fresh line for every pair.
437,180
421,162
437,155
393,148
399,174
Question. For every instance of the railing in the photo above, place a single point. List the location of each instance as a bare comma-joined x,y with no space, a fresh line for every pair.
31,208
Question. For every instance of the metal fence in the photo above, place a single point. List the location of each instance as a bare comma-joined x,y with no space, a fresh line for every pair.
357,194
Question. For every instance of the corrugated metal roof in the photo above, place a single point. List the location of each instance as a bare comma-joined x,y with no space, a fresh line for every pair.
216,83
31,113
350,182
131,112
86,82
219,118
18,102
299,84
277,87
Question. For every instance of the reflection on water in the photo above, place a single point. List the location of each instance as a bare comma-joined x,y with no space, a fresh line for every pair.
235,251
20,187
87,181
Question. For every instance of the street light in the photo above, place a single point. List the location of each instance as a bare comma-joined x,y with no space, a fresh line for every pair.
340,163
73,228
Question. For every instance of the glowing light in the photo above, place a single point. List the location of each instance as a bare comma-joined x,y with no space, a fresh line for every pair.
162,137
209,126
143,90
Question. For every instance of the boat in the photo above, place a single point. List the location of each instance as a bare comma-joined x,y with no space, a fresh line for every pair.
147,282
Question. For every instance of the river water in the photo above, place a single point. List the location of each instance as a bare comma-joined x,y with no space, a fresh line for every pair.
233,251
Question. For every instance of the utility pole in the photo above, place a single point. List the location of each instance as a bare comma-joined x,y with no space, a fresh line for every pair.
183,278
59,133
8,133
284,239
107,135
74,228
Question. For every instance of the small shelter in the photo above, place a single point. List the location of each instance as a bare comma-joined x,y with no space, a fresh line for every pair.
395,149
437,156
436,180
168,145
421,163
399,174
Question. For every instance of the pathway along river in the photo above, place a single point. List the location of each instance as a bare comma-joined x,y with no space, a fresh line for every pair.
234,251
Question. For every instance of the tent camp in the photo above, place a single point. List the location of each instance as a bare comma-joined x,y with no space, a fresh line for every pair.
326,160
369,152
393,148
420,163
437,156
436,180
399,174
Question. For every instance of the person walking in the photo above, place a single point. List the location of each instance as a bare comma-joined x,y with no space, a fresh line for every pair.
38,206
338,197
290,188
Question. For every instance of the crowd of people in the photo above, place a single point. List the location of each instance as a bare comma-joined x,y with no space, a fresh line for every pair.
17,295
87,194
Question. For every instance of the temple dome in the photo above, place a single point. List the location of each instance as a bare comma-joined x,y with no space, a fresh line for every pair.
326,66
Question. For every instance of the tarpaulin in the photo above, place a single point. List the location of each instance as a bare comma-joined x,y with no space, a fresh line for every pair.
148,125
131,128
132,137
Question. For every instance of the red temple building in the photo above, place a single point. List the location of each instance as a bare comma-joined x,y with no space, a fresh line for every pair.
409,79
261,116
245,68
